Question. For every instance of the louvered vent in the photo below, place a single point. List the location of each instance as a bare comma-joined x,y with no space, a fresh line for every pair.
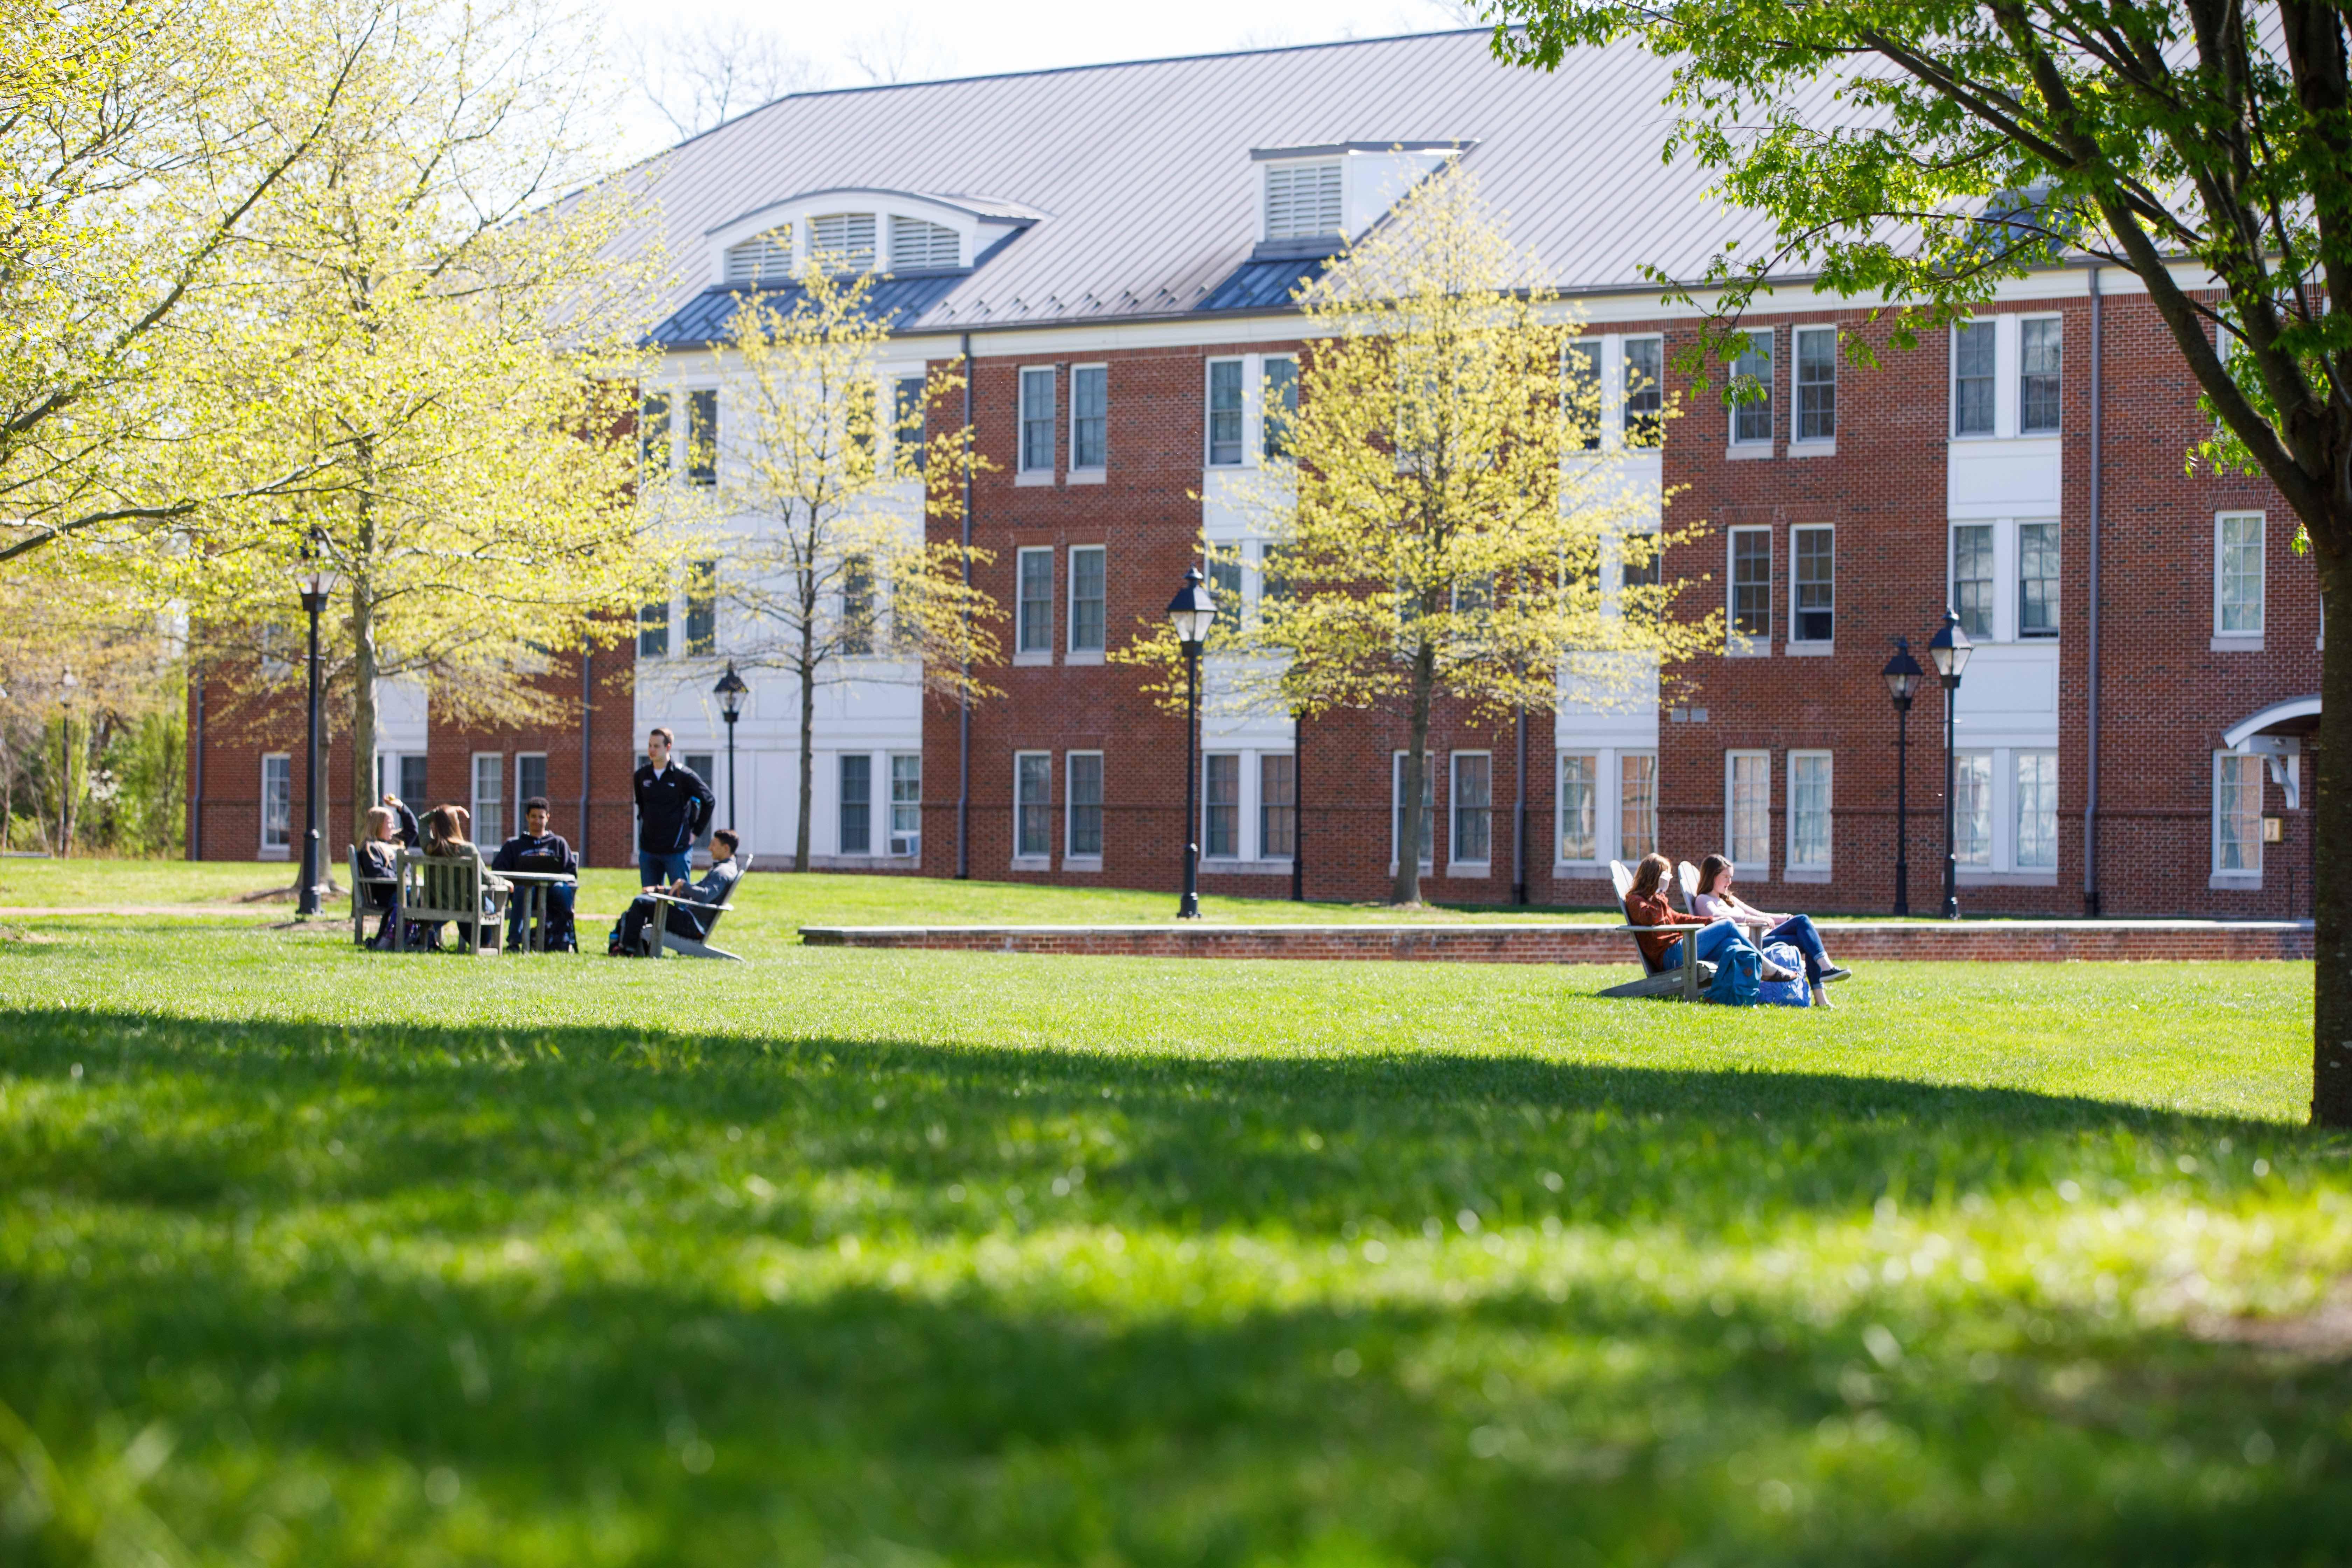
1302,200
764,258
919,246
845,239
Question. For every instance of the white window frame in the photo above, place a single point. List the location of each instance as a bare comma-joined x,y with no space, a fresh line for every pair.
1242,846
1255,404
1465,868
1995,861
893,837
1609,805
2016,375
1800,444
1253,781
1023,861
1025,473
1737,644
1616,418
1796,643
1097,473
2239,877
841,803
2015,815
1022,654
1756,445
2243,640
1757,867
1794,868
1209,411
2002,798
497,761
1433,761
1952,385
1073,859
283,850
1072,652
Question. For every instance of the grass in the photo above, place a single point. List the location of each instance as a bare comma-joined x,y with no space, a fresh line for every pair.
316,1257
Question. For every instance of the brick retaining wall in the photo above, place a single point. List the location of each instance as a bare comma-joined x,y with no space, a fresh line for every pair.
1496,942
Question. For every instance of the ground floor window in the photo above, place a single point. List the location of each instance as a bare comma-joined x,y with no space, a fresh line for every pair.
490,798
1580,805
705,766
1220,806
1032,806
857,806
2037,810
1607,807
906,803
1085,793
1473,807
1637,805
1972,808
1748,800
1417,827
1277,806
1808,811
2237,814
277,803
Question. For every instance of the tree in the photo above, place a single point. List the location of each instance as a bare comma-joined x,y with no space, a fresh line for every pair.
1436,525
698,77
833,580
452,354
1961,144
900,49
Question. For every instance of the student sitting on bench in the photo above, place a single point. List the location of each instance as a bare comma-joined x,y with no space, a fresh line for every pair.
380,858
535,849
628,937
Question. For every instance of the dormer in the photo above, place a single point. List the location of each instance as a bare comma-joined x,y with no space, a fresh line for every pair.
900,233
1313,200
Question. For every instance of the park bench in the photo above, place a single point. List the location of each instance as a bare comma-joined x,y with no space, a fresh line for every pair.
1686,980
362,906
456,888
660,938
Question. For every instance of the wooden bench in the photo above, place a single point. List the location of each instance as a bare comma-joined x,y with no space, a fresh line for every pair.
660,939
1687,980
458,888
360,907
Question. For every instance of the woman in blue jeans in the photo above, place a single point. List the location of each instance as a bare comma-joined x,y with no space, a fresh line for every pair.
1715,900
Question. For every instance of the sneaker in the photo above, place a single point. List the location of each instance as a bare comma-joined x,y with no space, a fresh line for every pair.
1835,973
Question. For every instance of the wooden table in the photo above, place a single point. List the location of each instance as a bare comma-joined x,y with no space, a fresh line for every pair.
530,902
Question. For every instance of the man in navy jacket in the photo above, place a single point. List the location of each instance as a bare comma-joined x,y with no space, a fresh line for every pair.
536,849
674,805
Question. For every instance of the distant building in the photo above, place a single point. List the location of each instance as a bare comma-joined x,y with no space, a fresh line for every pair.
1116,247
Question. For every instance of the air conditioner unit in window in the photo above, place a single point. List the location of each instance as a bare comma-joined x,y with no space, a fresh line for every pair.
906,844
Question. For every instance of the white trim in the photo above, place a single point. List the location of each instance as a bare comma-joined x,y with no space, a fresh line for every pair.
2244,636
1818,446
1829,836
1793,642
1760,866
1209,411
265,850
1024,472
474,792
1737,644
1030,862
1021,653
1074,654
1473,868
1071,859
2235,737
1094,473
2241,876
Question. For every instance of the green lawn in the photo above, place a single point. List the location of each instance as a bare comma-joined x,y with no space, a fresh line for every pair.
315,1256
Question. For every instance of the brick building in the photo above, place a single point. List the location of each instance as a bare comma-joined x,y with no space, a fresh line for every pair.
1114,248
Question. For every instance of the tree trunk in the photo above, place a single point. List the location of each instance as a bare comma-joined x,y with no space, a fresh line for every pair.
1406,889
808,768
2331,824
65,785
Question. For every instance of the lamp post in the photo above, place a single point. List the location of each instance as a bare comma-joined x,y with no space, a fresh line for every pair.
316,581
1191,612
1950,649
731,692
1901,677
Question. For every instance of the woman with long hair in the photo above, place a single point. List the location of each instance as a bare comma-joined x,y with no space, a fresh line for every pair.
1715,900
1646,905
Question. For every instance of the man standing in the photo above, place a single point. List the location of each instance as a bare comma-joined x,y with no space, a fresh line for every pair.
674,805
536,850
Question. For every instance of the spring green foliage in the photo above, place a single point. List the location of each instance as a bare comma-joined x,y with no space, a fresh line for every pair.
322,1256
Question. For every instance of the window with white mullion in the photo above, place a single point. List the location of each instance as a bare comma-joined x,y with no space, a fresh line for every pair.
1032,806
1816,383
2237,814
2238,569
1813,585
1747,809
1808,811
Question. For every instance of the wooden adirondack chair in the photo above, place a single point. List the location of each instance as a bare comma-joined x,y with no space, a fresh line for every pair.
1685,980
454,887
1687,874
659,939
361,905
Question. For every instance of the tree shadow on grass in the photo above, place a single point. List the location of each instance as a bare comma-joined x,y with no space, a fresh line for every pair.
248,1232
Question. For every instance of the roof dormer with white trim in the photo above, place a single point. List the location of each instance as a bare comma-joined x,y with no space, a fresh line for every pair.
1313,200
902,232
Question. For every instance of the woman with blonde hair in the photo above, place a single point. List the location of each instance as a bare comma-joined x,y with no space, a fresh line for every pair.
446,830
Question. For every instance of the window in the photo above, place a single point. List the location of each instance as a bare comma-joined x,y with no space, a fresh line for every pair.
653,630
1302,200
1580,807
278,803
1037,421
762,259
2037,376
1751,582
1277,805
1747,777
704,766
1752,419
1645,391
490,797
858,606
1641,560
1972,808
856,803
1421,828
1817,383
1809,810
2037,580
2237,814
1221,806
1087,604
653,437
530,779
702,437
1085,809
2237,574
1473,807
919,246
1583,396
1281,407
1036,602
412,779
844,240
1224,413
912,404
1225,587
1089,415
906,802
1972,371
702,607
1637,805
2037,810
1814,612
1972,578
1032,806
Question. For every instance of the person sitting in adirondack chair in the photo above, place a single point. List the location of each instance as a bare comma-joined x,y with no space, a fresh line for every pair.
627,940
1722,943
1716,901
380,862
446,830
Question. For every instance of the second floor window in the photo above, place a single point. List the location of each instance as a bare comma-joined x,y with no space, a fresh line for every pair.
1281,403
702,437
1817,383
1089,415
1036,604
2037,580
1973,358
702,607
1037,421
1972,578
1224,412
2238,585
1645,391
857,606
1752,419
1751,582
1814,614
1583,369
653,437
907,416
653,630
2037,375
1087,622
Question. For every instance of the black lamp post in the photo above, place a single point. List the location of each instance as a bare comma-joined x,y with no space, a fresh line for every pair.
731,692
1951,648
1191,612
1901,677
316,581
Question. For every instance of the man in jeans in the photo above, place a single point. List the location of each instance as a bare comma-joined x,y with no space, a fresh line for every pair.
674,805
538,850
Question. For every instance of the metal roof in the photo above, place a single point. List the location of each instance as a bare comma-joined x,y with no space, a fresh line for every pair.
1144,176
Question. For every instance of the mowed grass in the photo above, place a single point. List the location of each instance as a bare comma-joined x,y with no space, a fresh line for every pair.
315,1256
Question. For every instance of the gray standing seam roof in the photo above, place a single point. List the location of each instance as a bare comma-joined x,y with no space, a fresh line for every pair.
1150,199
